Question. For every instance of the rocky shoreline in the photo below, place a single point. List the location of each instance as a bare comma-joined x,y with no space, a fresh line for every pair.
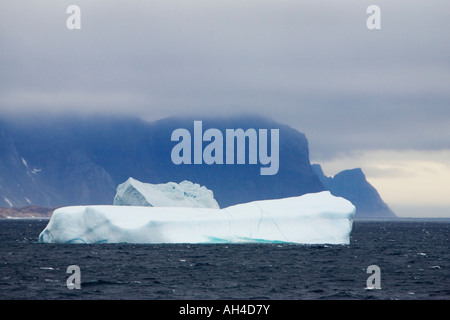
26,212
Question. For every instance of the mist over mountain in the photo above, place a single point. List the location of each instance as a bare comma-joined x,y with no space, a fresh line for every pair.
60,161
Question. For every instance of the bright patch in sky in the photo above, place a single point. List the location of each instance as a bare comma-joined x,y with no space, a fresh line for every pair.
404,179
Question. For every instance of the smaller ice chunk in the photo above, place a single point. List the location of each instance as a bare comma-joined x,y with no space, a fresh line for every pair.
185,194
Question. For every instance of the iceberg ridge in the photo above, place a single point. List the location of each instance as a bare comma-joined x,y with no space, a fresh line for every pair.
184,194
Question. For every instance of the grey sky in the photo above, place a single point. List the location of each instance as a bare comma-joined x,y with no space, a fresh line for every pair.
311,64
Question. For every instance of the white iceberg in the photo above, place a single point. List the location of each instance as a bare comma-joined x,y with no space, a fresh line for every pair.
184,194
315,218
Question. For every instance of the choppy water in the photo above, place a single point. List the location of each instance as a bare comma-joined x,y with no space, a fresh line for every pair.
413,257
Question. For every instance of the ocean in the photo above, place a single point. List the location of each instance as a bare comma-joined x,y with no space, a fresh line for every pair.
412,257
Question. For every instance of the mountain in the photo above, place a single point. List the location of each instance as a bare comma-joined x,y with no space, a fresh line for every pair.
353,185
59,161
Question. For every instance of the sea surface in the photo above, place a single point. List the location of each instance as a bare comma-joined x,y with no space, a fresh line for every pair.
413,257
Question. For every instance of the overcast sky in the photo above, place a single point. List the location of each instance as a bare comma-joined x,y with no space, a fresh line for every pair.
357,94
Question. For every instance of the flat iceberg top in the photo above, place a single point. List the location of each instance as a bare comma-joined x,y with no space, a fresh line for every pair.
184,194
315,218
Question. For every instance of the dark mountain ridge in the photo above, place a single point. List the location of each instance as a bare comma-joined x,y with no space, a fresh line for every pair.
353,186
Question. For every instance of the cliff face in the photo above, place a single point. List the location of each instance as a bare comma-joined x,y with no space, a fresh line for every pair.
18,182
353,185
81,161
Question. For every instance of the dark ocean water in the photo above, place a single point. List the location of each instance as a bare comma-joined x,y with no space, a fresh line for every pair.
413,257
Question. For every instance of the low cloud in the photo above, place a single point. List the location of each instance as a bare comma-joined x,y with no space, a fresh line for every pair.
311,64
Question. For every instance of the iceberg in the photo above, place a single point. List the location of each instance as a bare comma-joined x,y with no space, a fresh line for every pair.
314,218
184,194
